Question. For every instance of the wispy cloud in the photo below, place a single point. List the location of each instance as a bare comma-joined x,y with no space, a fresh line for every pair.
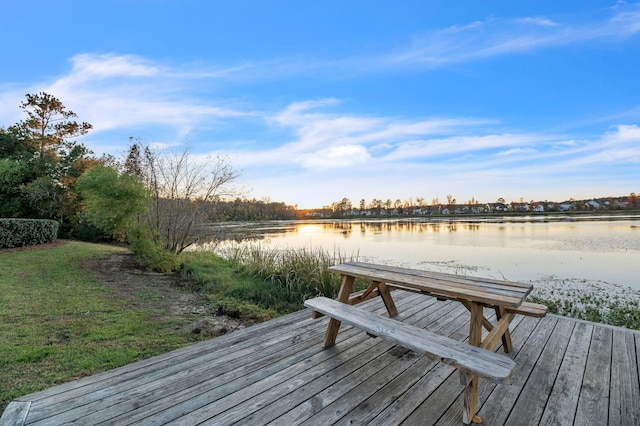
538,20
323,140
495,37
127,92
92,67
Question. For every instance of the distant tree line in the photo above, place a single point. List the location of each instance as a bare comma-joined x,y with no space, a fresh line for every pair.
420,206
242,209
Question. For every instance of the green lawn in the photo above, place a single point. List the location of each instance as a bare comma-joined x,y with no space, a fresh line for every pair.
57,323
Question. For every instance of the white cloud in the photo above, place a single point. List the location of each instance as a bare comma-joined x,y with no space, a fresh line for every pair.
517,152
623,133
320,134
297,112
336,157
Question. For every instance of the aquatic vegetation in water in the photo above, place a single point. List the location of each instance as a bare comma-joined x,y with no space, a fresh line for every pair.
596,301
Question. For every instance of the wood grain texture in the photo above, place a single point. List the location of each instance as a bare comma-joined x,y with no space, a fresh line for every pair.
505,293
15,413
464,356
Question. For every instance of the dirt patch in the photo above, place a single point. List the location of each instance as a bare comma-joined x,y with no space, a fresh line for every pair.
191,313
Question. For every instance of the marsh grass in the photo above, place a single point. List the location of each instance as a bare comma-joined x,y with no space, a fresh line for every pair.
302,271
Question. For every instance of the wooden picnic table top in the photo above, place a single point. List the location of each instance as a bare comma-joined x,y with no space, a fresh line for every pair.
487,291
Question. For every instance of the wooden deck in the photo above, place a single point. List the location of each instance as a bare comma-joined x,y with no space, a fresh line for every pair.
568,372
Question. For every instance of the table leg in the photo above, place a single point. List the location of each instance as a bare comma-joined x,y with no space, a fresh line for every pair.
506,337
386,298
485,322
499,330
334,325
471,390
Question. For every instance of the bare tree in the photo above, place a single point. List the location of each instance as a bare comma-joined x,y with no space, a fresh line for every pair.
183,192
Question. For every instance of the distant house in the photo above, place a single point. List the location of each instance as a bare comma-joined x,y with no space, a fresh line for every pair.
565,206
592,205
500,207
520,207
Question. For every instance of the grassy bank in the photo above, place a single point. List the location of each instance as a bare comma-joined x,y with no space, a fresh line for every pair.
260,283
57,323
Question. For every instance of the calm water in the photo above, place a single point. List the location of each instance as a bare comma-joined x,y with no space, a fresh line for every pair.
523,249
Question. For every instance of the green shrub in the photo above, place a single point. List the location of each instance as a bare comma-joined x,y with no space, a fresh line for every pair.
151,253
27,232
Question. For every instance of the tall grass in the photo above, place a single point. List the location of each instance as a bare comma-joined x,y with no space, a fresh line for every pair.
304,271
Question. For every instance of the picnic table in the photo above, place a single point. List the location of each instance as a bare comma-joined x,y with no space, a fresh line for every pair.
473,359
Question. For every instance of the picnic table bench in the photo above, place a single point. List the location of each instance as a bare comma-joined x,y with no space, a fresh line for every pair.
473,359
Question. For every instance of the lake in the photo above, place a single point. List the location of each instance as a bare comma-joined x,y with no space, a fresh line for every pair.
603,249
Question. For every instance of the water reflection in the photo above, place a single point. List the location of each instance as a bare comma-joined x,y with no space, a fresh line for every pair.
520,249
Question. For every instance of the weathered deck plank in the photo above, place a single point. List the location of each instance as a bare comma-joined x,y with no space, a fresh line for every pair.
593,403
624,397
567,372
563,401
522,329
334,407
366,410
497,408
291,377
531,402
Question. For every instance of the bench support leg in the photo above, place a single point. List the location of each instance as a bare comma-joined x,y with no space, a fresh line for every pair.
371,291
334,325
471,390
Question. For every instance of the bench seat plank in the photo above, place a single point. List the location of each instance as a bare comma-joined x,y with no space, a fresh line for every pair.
471,359
535,310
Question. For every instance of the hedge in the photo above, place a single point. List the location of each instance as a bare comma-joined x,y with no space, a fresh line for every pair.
27,232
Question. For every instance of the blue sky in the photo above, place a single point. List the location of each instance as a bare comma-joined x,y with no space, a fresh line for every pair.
316,101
